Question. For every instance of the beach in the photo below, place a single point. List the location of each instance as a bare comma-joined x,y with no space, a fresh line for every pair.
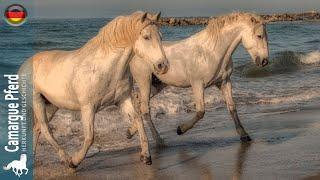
285,146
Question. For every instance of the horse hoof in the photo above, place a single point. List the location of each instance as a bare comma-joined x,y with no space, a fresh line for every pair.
146,160
245,138
71,165
128,134
160,143
179,131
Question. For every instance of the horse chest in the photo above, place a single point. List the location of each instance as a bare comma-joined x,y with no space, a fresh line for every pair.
120,89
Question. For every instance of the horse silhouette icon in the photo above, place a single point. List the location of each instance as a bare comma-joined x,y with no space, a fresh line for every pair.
18,166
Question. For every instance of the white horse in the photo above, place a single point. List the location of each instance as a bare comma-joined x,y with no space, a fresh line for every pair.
202,60
18,166
93,77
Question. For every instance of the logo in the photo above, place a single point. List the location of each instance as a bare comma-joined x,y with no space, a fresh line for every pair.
18,166
15,15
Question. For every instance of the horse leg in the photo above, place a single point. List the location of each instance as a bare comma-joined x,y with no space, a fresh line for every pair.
20,172
36,133
51,110
127,108
198,93
39,108
144,84
133,129
226,89
145,110
87,119
14,171
27,170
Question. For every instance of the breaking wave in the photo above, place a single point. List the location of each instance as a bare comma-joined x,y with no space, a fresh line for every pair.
32,44
307,95
174,101
283,62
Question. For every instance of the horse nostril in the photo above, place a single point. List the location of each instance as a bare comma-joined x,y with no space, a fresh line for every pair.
160,66
264,62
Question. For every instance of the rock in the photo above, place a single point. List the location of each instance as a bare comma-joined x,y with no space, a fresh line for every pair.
184,21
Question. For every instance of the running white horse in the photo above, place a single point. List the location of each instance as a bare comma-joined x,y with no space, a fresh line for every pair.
93,77
18,166
202,60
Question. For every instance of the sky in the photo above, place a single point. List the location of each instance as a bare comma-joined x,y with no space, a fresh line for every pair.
112,8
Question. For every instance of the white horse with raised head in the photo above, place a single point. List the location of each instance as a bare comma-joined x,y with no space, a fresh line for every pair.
202,60
94,76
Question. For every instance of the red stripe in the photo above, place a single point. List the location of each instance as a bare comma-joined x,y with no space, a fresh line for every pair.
16,15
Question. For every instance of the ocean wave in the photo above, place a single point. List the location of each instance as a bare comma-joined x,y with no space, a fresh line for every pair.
173,101
311,58
313,41
283,62
7,65
301,96
36,43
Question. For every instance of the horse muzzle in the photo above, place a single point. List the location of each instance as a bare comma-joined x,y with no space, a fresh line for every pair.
262,62
161,68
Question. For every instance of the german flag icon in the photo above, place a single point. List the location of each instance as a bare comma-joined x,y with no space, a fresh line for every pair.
15,14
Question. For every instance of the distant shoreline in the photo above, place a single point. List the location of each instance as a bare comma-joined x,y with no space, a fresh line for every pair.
185,21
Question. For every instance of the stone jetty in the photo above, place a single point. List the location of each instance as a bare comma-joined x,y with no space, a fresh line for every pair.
184,21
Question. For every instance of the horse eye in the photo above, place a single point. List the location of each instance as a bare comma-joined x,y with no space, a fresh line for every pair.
146,37
259,36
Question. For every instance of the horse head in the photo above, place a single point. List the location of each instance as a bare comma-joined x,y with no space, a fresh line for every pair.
255,40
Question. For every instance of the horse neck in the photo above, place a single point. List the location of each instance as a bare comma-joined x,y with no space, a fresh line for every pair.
23,158
224,44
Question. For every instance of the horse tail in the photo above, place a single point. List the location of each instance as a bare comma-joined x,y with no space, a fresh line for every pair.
7,167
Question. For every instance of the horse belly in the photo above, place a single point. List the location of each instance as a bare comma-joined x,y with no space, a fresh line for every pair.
60,97
177,73
57,90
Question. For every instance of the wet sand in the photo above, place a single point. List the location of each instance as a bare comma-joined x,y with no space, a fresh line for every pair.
286,146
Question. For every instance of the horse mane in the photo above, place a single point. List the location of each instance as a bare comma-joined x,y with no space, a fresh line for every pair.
216,24
119,33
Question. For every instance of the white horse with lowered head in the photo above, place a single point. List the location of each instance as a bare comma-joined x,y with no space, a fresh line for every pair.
202,60
94,76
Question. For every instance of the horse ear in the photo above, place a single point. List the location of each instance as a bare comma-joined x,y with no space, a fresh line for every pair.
157,16
144,16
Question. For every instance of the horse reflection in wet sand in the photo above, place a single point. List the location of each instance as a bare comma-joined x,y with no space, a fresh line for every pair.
94,76
202,60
